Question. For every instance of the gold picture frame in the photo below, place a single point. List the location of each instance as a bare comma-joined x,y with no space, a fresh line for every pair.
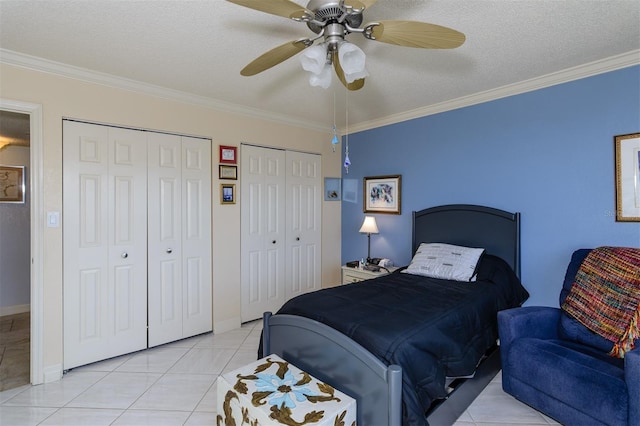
627,151
12,186
382,194
227,172
227,193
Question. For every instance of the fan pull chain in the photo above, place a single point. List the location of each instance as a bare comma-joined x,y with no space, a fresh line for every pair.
334,141
347,162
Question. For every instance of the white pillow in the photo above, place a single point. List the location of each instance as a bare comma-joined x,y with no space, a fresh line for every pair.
445,261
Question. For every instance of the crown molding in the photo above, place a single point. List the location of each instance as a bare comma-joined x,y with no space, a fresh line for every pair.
590,69
582,71
64,70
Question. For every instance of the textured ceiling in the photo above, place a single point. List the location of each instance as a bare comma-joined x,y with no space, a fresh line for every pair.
199,47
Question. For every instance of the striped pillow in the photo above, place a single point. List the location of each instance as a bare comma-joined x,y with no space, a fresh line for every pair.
445,261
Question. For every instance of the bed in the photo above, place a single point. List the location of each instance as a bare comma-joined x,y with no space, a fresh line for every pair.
400,344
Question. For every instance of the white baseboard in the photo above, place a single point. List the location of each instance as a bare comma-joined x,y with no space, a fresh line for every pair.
227,325
15,309
52,373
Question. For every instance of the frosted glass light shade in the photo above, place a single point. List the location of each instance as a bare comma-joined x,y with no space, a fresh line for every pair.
314,58
352,60
369,225
322,79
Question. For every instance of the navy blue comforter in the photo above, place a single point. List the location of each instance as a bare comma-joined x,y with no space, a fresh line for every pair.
431,328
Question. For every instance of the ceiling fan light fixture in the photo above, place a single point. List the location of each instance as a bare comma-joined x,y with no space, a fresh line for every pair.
352,61
323,79
314,58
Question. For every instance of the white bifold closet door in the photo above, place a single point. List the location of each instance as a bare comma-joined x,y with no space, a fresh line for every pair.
280,227
137,240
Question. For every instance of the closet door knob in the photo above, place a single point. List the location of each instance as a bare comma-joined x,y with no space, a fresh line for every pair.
297,238
273,242
169,250
124,255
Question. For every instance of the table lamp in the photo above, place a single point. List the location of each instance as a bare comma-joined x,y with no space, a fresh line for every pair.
369,227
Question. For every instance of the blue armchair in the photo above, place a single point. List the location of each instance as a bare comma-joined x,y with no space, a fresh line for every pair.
556,365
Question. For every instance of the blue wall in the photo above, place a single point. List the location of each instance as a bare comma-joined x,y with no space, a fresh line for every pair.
548,154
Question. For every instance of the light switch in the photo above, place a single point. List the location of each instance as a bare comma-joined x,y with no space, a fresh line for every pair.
53,219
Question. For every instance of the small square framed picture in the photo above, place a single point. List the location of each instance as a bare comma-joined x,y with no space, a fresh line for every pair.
228,154
227,172
227,193
332,189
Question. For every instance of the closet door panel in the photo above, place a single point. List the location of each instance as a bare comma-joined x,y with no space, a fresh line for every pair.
262,231
196,237
303,208
85,179
127,207
165,238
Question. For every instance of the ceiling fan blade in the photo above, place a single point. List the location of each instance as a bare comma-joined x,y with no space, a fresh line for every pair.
275,56
284,8
355,85
417,34
360,4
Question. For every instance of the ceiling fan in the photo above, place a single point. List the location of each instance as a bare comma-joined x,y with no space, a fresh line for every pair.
333,20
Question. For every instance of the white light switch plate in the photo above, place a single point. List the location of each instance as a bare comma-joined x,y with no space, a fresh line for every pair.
53,219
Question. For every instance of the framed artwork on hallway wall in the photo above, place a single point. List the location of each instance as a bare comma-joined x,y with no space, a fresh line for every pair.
12,187
627,151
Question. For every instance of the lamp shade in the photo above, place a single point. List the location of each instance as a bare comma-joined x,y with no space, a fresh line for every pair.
314,58
369,225
322,79
352,61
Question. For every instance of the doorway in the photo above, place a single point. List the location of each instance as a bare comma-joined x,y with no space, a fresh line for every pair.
31,116
15,250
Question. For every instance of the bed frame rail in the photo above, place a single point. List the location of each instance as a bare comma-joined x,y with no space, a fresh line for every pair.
337,360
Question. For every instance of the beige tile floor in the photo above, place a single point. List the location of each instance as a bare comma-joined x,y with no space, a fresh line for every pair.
175,384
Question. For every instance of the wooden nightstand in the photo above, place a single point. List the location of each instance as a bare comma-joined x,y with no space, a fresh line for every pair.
354,275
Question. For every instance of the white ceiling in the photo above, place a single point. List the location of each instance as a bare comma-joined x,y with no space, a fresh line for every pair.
199,47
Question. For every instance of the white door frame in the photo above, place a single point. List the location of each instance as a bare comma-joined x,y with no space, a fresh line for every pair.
37,220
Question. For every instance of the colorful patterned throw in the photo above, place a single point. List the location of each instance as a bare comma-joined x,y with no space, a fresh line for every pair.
605,296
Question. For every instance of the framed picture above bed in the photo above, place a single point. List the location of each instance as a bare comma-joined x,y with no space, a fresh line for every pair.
627,149
382,194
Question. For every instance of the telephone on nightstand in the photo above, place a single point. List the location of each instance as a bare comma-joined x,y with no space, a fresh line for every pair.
377,263
374,265
385,263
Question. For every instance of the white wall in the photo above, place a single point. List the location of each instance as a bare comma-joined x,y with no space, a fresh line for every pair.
14,240
65,97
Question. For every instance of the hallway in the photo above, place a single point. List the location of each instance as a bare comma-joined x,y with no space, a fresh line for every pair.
14,350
